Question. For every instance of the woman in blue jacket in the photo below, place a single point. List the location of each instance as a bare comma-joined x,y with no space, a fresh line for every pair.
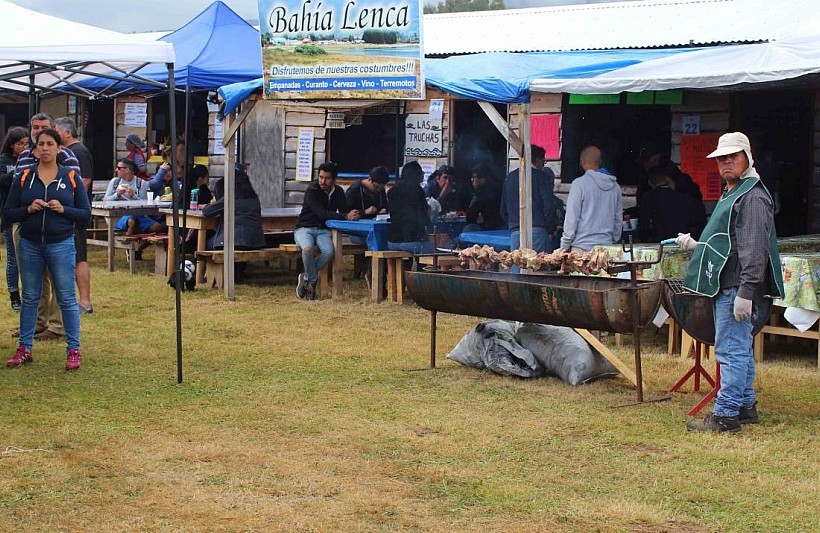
48,200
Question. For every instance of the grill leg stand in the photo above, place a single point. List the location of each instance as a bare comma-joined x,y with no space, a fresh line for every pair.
697,371
708,398
432,339
636,338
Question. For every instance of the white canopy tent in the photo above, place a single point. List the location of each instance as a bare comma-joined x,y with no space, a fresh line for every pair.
711,68
41,53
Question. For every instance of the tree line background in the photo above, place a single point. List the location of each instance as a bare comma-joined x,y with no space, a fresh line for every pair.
455,6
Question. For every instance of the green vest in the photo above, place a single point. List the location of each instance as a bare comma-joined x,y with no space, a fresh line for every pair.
710,256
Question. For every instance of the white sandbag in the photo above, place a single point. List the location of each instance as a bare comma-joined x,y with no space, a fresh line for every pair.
564,353
492,345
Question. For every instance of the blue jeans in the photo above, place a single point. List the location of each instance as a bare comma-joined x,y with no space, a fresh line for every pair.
540,243
420,247
734,351
540,240
308,239
12,272
60,259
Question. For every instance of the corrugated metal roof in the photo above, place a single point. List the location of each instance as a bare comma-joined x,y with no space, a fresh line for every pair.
636,24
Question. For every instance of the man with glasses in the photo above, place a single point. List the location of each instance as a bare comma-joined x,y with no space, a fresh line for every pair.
736,263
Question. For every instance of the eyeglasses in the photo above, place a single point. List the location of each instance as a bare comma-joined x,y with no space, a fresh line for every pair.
21,142
722,158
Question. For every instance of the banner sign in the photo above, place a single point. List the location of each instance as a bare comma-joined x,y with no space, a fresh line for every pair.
366,49
423,136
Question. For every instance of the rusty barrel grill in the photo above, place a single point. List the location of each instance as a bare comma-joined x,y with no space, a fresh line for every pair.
608,304
694,312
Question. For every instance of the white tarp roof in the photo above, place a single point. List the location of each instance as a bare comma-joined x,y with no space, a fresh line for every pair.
56,49
709,68
644,24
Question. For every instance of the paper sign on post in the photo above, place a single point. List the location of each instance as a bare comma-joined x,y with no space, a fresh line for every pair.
304,155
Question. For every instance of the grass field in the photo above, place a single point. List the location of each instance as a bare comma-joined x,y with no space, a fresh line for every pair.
314,416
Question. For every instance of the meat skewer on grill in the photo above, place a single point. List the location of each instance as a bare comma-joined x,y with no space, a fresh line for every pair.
566,262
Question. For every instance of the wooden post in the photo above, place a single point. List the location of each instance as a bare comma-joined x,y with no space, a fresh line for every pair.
525,178
229,214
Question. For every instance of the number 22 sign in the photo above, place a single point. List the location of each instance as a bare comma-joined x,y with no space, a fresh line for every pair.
691,125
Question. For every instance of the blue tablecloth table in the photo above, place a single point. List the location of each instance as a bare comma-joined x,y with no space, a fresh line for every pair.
498,238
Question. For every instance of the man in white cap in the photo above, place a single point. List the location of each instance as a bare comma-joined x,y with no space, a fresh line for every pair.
737,264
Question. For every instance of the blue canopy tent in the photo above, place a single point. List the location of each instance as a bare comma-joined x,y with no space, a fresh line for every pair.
499,77
215,48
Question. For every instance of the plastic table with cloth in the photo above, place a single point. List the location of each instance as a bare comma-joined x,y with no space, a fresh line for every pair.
374,232
497,238
800,305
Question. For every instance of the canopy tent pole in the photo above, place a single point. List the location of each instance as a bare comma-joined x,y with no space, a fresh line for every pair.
32,97
183,177
175,201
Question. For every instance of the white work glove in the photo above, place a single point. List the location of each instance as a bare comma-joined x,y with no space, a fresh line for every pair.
743,309
685,241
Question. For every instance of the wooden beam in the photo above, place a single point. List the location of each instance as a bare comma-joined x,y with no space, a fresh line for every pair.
227,136
501,125
611,357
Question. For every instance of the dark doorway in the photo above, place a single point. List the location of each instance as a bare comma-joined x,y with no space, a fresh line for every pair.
359,148
161,127
476,140
623,133
97,127
779,126
13,115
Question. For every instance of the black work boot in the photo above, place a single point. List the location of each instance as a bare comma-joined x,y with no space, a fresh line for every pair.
715,423
748,415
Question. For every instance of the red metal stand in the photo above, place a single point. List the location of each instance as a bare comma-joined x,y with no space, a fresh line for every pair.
708,398
696,371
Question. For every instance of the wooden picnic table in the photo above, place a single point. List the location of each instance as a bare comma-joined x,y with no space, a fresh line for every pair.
272,218
111,211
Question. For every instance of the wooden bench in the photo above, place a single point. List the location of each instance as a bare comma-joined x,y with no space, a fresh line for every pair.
133,243
332,275
395,274
215,261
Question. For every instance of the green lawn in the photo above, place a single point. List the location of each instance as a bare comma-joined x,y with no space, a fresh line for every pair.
315,416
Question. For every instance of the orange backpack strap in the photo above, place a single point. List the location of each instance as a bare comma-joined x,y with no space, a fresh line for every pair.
24,175
71,179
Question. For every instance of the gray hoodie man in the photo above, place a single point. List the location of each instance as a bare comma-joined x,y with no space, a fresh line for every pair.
594,211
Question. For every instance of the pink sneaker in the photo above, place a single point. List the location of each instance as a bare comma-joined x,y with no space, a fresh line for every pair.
72,359
22,357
